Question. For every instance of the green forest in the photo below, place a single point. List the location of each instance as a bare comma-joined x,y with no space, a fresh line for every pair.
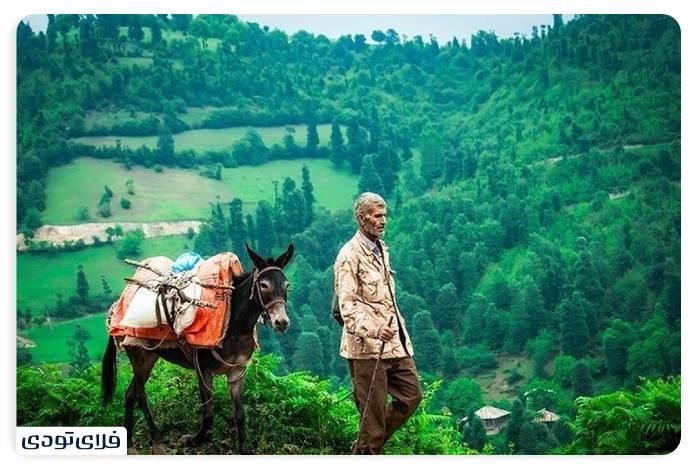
534,197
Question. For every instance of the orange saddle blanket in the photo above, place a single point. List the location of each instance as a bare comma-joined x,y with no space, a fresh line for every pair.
209,325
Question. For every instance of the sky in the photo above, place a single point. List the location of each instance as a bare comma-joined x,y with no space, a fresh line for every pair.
443,27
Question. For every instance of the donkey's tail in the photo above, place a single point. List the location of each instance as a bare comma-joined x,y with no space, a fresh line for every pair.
108,374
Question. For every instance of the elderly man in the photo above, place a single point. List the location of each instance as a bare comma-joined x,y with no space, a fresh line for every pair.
365,292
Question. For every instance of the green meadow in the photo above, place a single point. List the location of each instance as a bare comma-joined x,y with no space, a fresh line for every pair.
179,194
40,275
52,342
206,139
173,194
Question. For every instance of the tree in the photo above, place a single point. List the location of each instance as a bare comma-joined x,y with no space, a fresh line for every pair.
540,349
582,382
374,131
462,396
378,36
164,152
82,287
308,193
616,341
237,231
289,141
575,336
585,276
51,34
514,427
131,245
474,324
156,31
475,433
181,22
337,147
79,356
105,209
135,29
527,442
265,232
105,287
125,203
432,147
370,180
357,145
427,341
309,353
312,138
445,307
563,373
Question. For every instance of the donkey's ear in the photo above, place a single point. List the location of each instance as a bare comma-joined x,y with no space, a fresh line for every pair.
286,257
258,262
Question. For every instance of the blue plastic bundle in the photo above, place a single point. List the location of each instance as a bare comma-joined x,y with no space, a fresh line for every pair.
186,262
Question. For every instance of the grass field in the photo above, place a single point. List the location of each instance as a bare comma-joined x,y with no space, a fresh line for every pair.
51,342
174,194
206,139
178,194
41,275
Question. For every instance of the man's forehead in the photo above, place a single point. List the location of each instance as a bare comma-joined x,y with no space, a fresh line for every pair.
378,209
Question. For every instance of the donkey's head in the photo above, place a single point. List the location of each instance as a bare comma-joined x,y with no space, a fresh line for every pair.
270,287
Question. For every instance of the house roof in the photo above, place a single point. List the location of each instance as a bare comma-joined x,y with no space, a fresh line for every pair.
491,412
546,416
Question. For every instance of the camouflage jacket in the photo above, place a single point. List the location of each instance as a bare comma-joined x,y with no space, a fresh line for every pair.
366,303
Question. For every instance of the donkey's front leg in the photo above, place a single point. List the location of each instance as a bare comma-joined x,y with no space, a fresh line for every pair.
235,381
205,388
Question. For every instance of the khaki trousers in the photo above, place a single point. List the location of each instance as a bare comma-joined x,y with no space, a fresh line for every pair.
397,377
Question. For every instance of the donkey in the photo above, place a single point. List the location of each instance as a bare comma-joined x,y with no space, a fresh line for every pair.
262,293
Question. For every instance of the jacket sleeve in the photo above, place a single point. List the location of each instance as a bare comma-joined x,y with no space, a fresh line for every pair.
356,318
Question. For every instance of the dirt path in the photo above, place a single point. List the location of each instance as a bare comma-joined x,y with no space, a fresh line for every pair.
23,342
56,235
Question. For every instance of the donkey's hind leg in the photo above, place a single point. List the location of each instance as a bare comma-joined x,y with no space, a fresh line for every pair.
142,361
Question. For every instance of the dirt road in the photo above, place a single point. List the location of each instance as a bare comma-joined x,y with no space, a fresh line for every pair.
87,232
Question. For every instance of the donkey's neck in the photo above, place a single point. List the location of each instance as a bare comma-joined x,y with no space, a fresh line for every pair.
244,312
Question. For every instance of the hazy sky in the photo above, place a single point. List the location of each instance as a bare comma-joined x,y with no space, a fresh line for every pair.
443,27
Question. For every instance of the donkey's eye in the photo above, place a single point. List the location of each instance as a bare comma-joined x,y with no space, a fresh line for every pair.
265,285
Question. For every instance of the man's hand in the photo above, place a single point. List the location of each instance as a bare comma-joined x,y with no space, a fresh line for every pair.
386,333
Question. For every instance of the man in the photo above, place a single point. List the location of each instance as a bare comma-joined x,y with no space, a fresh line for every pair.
365,292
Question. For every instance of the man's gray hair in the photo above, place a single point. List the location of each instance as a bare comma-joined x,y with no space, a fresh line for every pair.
366,201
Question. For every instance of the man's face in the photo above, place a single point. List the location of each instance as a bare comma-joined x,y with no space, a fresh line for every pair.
374,221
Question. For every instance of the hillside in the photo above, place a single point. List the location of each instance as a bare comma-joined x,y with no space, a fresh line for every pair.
533,183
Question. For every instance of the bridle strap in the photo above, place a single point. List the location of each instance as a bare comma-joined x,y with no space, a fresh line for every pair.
255,288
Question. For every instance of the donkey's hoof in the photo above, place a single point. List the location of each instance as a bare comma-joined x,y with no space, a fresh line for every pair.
189,441
132,451
159,449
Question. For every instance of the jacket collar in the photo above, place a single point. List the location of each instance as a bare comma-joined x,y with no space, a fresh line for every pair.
364,244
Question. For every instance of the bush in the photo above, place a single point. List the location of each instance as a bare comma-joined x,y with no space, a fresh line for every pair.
131,245
647,421
125,203
313,419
